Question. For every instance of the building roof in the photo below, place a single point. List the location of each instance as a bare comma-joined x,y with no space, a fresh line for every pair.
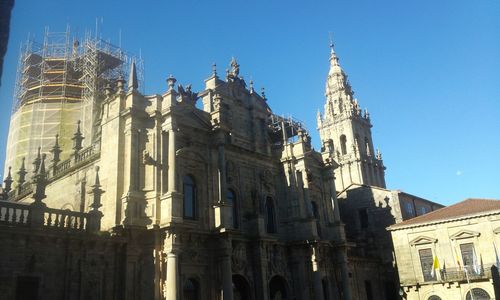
468,207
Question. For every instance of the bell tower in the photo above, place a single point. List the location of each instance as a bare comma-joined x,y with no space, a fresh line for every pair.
345,131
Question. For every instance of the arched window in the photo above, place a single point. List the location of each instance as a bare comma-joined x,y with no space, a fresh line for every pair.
189,203
343,144
315,211
479,294
434,297
326,289
191,290
270,216
367,146
231,200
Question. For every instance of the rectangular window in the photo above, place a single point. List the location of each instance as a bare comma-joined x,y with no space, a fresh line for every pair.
409,209
368,289
426,261
363,218
467,251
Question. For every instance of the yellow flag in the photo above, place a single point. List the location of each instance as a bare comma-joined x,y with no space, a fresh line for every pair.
435,265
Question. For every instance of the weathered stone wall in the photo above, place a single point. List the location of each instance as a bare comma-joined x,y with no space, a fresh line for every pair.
61,264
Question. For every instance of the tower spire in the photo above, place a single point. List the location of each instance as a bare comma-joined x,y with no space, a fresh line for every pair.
349,130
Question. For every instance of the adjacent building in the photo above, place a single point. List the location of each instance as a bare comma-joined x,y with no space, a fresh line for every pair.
450,253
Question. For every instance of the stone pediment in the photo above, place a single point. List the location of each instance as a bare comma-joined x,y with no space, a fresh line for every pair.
464,234
422,240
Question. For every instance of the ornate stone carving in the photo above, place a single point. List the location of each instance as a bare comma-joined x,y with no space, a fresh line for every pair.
266,178
239,258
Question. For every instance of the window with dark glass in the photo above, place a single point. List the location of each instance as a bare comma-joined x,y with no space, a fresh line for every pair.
426,261
477,294
363,218
189,203
343,144
315,211
191,290
270,216
467,251
231,200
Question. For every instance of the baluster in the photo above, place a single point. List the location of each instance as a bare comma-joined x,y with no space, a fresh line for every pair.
66,220
82,223
56,222
21,217
49,219
7,215
14,215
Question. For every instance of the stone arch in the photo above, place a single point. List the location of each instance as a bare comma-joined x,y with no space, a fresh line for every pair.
68,206
241,288
343,144
191,289
278,288
271,217
478,293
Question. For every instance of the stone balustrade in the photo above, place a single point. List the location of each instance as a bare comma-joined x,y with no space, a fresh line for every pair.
14,213
20,214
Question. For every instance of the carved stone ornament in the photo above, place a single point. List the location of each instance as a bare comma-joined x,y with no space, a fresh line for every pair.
239,261
231,173
266,178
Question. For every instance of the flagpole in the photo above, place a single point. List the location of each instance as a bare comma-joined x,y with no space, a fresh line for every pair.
468,283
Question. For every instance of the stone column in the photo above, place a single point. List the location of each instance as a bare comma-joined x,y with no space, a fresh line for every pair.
222,172
227,274
318,286
172,292
171,161
344,270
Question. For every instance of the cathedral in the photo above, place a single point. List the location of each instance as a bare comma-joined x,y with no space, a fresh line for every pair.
194,195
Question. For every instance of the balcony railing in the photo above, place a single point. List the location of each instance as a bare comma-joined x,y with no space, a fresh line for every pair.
464,274
461,274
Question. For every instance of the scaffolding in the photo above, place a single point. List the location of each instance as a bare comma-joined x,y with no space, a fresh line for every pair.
58,83
285,128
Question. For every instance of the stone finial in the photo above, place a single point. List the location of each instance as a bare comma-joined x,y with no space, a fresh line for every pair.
94,222
56,151
235,67
319,118
96,191
108,90
40,181
214,70
367,114
8,182
133,83
77,139
22,172
36,161
120,84
334,60
379,154
171,82
251,86
263,93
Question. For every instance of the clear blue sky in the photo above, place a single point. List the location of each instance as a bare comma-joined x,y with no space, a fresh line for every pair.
428,71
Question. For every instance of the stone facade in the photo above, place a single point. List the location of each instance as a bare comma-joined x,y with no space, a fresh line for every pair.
463,239
229,201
